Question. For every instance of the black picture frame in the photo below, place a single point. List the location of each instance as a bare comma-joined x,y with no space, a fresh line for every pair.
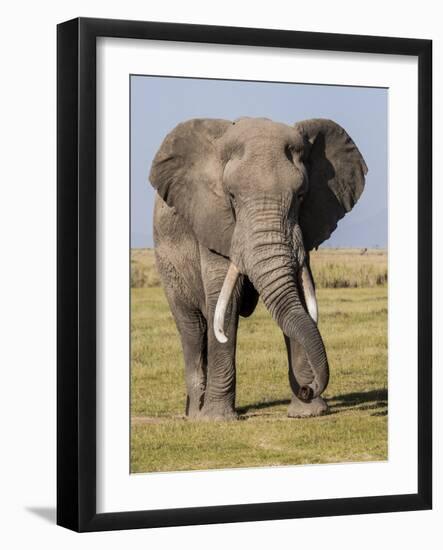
76,273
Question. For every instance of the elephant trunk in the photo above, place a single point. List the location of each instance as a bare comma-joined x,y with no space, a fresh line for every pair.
305,281
278,270
279,291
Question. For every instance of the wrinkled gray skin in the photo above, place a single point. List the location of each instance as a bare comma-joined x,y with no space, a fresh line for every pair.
255,195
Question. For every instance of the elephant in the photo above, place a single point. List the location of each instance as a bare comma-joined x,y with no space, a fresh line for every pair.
239,206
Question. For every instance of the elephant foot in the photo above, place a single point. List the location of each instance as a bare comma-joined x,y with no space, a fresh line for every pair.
217,412
193,406
193,414
302,409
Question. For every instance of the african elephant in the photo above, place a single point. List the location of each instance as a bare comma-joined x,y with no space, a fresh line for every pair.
239,206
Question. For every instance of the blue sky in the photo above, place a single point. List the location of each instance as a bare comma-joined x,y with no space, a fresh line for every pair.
158,104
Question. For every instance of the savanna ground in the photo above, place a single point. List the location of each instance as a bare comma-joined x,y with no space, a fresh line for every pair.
352,297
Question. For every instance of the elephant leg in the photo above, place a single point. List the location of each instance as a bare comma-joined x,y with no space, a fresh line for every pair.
192,328
299,375
219,401
193,335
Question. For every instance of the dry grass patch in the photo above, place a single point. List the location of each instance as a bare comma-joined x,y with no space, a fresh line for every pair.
332,268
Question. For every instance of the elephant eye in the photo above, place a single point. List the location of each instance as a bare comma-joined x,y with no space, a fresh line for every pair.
288,153
301,196
233,204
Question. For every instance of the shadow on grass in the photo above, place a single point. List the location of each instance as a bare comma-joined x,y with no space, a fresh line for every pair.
377,398
373,399
262,405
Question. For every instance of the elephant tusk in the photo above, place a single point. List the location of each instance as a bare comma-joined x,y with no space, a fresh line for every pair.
223,301
309,292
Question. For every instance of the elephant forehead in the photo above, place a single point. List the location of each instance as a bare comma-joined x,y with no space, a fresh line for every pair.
256,130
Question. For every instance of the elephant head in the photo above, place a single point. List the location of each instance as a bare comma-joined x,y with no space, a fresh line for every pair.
263,194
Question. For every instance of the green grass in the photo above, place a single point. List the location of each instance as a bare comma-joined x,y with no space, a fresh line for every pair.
353,323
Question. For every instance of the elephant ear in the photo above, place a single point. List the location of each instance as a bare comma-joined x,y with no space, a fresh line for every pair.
187,174
336,172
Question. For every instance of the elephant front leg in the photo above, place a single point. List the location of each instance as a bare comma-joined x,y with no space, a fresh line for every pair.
300,375
193,334
219,400
194,351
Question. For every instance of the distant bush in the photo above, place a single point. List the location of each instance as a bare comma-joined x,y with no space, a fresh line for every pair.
331,267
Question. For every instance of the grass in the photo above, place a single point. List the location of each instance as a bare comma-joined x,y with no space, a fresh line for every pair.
353,323
332,268
349,268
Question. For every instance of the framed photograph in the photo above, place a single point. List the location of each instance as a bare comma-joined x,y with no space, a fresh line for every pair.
244,274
